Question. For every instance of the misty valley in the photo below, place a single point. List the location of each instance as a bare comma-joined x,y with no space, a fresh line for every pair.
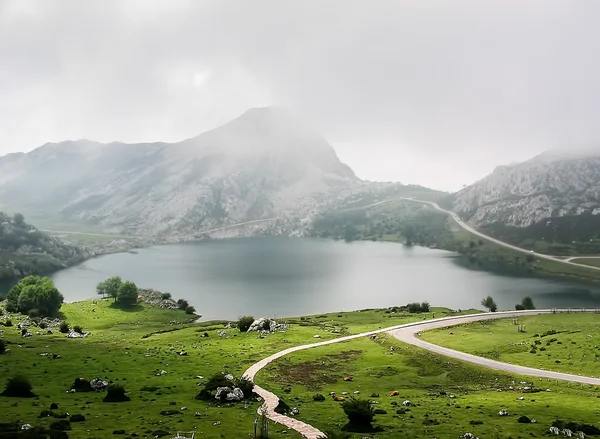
276,219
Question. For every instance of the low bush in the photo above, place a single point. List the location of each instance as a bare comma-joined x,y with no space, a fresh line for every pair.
58,434
8,322
244,323
165,296
587,429
2,346
116,393
318,397
190,310
63,425
245,385
81,385
18,387
282,408
205,395
64,327
78,329
217,380
42,325
360,414
476,422
524,420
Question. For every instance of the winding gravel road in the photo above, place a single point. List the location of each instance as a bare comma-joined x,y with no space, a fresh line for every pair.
470,229
407,333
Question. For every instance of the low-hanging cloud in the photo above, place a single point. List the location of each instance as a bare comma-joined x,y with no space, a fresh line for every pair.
429,92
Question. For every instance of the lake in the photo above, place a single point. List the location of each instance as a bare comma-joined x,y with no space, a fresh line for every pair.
275,276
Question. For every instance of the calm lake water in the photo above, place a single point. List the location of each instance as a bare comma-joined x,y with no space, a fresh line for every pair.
292,277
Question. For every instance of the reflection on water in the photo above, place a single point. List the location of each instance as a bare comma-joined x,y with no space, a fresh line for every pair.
287,276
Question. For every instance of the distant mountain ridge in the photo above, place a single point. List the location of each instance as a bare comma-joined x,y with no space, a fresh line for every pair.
263,164
553,196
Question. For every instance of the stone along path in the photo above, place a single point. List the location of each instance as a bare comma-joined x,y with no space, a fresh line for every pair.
407,333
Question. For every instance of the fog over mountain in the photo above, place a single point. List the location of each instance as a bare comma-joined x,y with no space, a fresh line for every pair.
433,93
264,164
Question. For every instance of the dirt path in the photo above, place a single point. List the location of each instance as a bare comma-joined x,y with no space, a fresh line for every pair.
406,333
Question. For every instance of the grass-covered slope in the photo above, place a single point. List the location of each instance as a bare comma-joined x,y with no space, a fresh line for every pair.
448,398
560,342
133,347
130,347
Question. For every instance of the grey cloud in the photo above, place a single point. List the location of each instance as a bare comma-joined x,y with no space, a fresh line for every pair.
431,92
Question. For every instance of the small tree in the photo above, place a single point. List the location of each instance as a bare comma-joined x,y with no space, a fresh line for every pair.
360,414
182,304
190,310
34,293
244,323
18,386
489,303
127,294
109,287
519,307
527,303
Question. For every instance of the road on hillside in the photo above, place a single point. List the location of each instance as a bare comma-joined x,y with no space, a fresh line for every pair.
90,234
497,241
406,333
410,335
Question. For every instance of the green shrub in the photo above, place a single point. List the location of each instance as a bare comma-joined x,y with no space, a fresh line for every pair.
205,395
360,414
519,307
245,385
116,393
78,329
165,296
8,322
19,387
418,307
64,327
42,325
62,425
244,323
217,380
190,310
318,397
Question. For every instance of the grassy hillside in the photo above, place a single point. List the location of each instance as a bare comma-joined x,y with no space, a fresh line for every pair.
559,342
132,347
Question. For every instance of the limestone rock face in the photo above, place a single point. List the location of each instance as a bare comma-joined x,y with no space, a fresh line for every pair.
551,185
261,165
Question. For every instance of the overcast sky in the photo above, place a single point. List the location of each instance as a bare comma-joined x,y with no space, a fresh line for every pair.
430,92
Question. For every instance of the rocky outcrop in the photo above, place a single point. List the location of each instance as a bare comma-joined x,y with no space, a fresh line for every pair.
545,188
25,250
261,165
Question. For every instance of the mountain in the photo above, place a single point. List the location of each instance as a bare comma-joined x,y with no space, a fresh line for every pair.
261,165
554,196
25,250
